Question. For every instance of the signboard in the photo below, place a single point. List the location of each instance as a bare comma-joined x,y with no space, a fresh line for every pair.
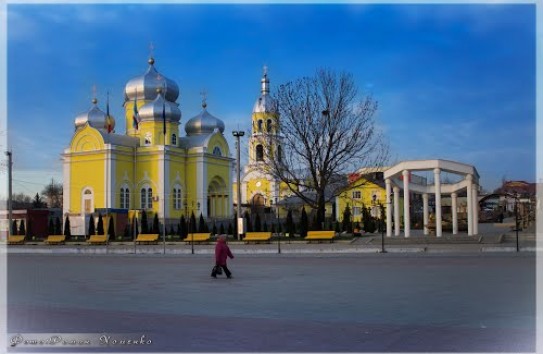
241,226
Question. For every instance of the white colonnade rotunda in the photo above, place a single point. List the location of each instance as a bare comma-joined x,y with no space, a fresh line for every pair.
399,177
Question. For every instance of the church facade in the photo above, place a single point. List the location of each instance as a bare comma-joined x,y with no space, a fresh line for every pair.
150,166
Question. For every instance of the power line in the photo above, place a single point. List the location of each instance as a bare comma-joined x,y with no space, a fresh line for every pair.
39,184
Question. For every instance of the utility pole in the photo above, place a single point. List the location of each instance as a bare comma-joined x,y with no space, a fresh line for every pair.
10,200
239,134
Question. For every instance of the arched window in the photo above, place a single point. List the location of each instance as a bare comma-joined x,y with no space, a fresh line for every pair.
217,151
177,197
150,198
174,139
146,198
122,199
88,201
279,154
125,198
269,126
259,153
143,198
260,125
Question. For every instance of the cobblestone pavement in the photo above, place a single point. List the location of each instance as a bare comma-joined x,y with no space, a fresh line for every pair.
406,302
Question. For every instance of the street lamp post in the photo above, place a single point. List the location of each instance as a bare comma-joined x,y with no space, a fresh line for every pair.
10,200
191,230
516,219
277,229
383,226
238,134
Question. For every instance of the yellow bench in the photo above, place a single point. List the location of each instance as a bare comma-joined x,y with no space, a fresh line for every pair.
320,236
198,237
16,240
257,236
97,240
147,238
55,239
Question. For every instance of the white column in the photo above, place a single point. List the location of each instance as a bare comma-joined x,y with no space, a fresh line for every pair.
470,206
454,214
475,203
425,212
406,214
396,211
389,207
437,184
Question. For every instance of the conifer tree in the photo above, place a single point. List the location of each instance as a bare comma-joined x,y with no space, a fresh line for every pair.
136,229
182,227
289,224
192,223
29,229
67,228
221,229
14,229
230,229
58,226
156,228
303,223
214,229
249,224
265,227
51,227
111,229
100,226
202,227
91,230
144,223
22,230
126,231
346,222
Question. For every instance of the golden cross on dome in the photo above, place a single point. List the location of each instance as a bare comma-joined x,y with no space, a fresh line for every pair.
265,70
94,100
203,93
151,49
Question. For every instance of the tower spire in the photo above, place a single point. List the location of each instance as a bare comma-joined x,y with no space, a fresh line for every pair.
265,81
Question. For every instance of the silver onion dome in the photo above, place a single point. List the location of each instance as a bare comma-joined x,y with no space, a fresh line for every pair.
265,103
145,85
95,117
152,111
203,123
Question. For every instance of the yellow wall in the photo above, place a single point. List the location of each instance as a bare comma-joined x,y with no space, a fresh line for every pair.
366,189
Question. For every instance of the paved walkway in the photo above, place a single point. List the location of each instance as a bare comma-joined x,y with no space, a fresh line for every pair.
468,302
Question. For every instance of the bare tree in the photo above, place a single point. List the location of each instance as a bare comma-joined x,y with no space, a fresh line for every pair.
21,201
53,193
327,133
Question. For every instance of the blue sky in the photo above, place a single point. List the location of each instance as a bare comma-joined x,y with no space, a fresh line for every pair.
453,81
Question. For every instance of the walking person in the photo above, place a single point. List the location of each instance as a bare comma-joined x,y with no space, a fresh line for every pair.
222,252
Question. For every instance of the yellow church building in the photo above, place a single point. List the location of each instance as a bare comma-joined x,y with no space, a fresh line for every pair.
150,166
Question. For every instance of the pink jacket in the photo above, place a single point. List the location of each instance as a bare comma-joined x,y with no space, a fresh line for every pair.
221,252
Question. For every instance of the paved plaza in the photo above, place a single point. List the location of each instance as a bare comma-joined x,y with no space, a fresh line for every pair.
366,302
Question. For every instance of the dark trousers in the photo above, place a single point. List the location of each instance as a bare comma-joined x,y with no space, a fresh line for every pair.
225,268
